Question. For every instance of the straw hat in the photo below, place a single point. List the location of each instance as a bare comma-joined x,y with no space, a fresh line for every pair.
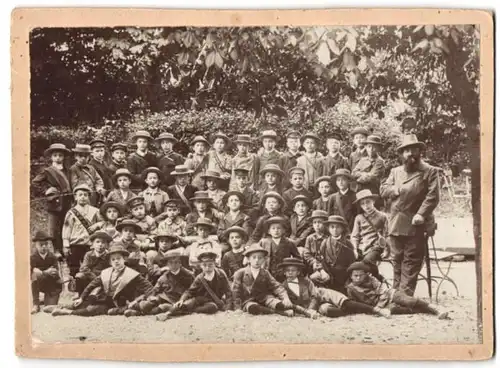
56,147
410,140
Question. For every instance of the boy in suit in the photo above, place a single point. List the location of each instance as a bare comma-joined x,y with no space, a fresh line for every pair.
342,202
173,222
182,190
289,159
204,242
271,204
56,185
278,246
272,179
209,292
370,169
137,209
250,196
77,223
311,161
98,147
243,160
300,222
202,208
255,290
234,217
154,197
359,136
168,159
157,265
365,288
323,186
334,160
337,253
219,160
369,231
44,272
197,162
122,193
312,301
311,255
136,258
94,261
232,260
296,175
268,155
213,182
141,159
118,286
168,289
83,173
118,157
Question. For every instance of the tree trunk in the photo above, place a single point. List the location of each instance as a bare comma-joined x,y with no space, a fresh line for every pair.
468,99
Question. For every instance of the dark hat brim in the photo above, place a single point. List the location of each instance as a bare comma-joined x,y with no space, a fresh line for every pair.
197,224
85,152
207,255
324,217
170,139
363,131
298,199
205,177
290,263
103,236
361,266
276,171
115,176
312,136
112,204
241,231
374,142
136,227
277,196
194,141
339,222
123,252
42,238
249,251
243,141
231,193
152,170
168,236
201,199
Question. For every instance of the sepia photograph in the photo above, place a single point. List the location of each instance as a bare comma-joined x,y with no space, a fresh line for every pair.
256,184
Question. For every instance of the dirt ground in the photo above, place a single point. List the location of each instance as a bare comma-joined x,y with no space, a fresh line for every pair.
225,327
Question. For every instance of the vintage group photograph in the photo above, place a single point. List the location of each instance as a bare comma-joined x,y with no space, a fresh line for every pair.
272,184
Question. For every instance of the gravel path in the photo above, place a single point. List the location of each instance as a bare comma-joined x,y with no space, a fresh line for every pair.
230,327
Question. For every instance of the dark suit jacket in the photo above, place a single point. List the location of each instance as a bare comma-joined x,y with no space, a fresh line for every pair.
104,171
36,261
59,179
137,164
167,164
349,209
192,217
291,193
369,172
246,288
300,230
277,253
418,193
241,220
222,288
131,286
94,265
170,287
336,256
307,297
286,162
188,193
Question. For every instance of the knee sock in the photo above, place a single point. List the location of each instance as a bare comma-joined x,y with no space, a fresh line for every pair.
352,307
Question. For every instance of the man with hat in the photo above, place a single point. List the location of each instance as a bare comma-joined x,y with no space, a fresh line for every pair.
412,192
154,197
182,190
118,157
370,169
141,159
197,161
214,183
54,182
337,253
76,229
255,290
311,161
209,292
44,272
334,159
83,173
168,159
341,203
289,158
94,261
167,291
118,285
268,155
243,160
359,136
97,160
219,160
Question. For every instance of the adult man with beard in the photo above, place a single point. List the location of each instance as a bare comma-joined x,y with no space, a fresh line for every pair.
412,191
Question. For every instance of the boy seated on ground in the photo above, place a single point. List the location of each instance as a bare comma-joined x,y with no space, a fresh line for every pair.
118,285
209,292
44,272
167,290
365,288
311,301
254,289
232,260
158,264
94,261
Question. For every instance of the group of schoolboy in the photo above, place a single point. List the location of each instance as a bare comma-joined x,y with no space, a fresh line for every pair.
294,233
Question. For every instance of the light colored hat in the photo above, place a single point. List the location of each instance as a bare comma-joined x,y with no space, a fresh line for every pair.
118,248
166,137
243,138
207,255
121,172
253,249
201,195
319,214
410,140
101,235
310,135
130,223
360,130
142,134
269,134
342,172
272,168
82,148
181,170
56,147
322,178
209,174
336,220
272,194
296,169
204,222
82,187
221,135
374,139
237,229
152,169
365,193
199,138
